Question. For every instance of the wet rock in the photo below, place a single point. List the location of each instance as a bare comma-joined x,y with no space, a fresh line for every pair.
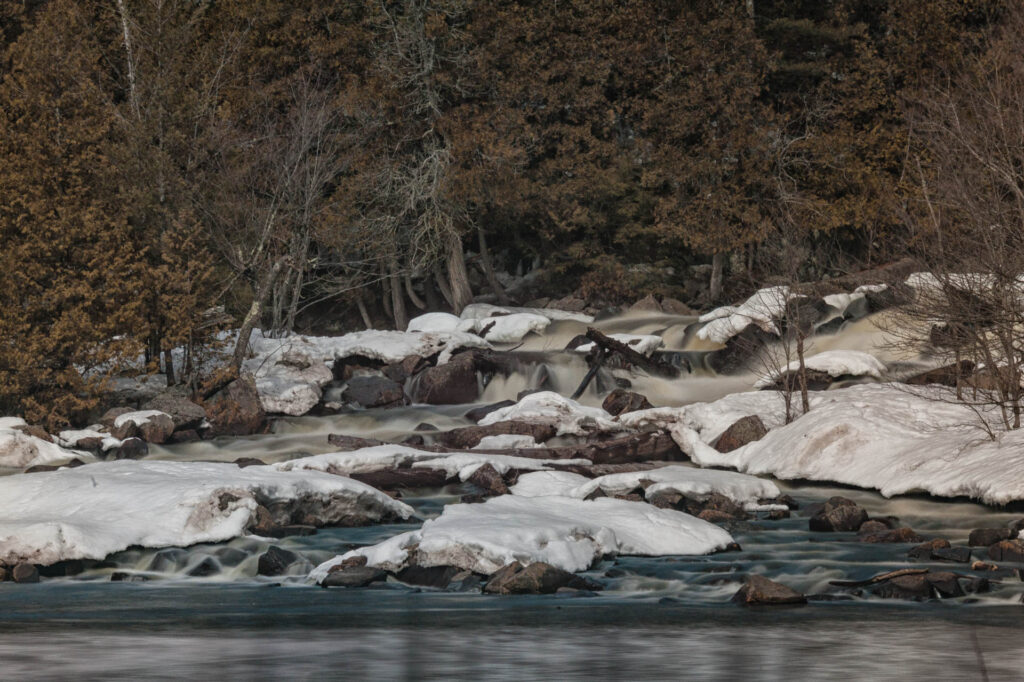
5,573
536,578
424,427
665,499
746,430
715,516
243,462
1007,550
478,413
414,441
354,576
897,535
621,401
470,436
157,429
75,462
870,527
453,383
400,372
276,561
125,577
236,409
674,306
984,537
839,514
230,556
568,303
647,304
207,567
168,560
929,585
395,479
715,502
924,551
374,391
911,587
778,514
186,436
428,576
758,590
488,478
25,573
958,555
130,448
185,414
577,341
111,415
739,350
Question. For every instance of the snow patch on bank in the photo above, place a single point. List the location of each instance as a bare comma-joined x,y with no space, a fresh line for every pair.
567,533
20,450
96,510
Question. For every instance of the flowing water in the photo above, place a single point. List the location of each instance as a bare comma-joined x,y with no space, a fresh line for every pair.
202,612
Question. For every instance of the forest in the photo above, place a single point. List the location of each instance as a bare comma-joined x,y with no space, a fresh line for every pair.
170,169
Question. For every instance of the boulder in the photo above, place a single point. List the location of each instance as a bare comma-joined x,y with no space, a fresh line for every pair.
714,502
25,573
207,567
1007,550
428,576
536,578
488,478
111,415
839,514
35,431
152,427
399,372
758,590
984,537
453,383
130,448
740,350
374,391
924,551
646,304
895,535
674,306
957,555
236,410
746,430
470,436
354,576
621,401
276,561
184,413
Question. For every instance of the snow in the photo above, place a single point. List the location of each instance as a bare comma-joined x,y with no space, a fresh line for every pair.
380,457
548,407
20,450
383,346
835,363
290,383
95,510
710,420
510,328
567,533
870,288
543,483
885,437
439,322
505,441
476,311
71,438
842,301
138,418
762,309
642,343
688,481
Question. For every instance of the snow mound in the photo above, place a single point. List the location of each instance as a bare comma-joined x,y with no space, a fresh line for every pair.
439,322
762,309
548,407
544,483
20,450
842,301
290,380
835,363
510,328
383,346
71,438
567,533
138,418
95,510
710,420
641,343
505,441
742,489
380,457
883,437
476,311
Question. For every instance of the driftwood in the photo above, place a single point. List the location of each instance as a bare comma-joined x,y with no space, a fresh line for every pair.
653,365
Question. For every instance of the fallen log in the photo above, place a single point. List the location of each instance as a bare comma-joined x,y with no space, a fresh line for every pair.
653,365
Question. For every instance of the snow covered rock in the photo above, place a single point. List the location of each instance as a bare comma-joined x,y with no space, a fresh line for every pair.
439,322
152,426
645,344
476,311
511,328
762,309
874,436
290,383
544,483
548,407
834,363
20,450
505,441
95,510
383,346
567,533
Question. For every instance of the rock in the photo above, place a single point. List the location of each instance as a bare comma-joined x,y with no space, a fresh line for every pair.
839,514
715,516
35,431
928,585
130,448
207,567
924,551
454,383
75,462
913,587
184,413
25,573
1007,550
236,410
740,350
167,560
399,372
746,430
577,341
896,535
470,436
276,561
959,555
374,391
396,479
870,527
984,537
944,376
647,304
488,478
478,413
714,502
111,415
674,306
230,556
569,303
621,401
243,462
665,499
156,428
428,576
354,576
758,590
536,578
185,436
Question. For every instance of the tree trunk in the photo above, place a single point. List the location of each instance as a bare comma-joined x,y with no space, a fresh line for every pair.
458,277
442,285
805,402
363,312
169,368
717,268
259,300
430,293
488,266
397,299
416,300
300,276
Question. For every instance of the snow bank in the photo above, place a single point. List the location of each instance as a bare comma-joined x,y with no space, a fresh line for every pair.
503,327
883,437
439,322
505,441
476,311
95,510
641,343
547,407
543,483
20,450
571,534
710,420
380,457
842,301
835,363
762,309
384,346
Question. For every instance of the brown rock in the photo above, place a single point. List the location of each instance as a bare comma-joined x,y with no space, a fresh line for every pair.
453,383
758,590
983,537
478,413
536,578
715,516
746,430
34,430
111,415
399,372
236,409
924,551
354,576
647,304
470,436
488,478
25,573
374,391
891,536
1007,550
130,448
243,462
184,413
839,514
621,401
156,429
674,306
